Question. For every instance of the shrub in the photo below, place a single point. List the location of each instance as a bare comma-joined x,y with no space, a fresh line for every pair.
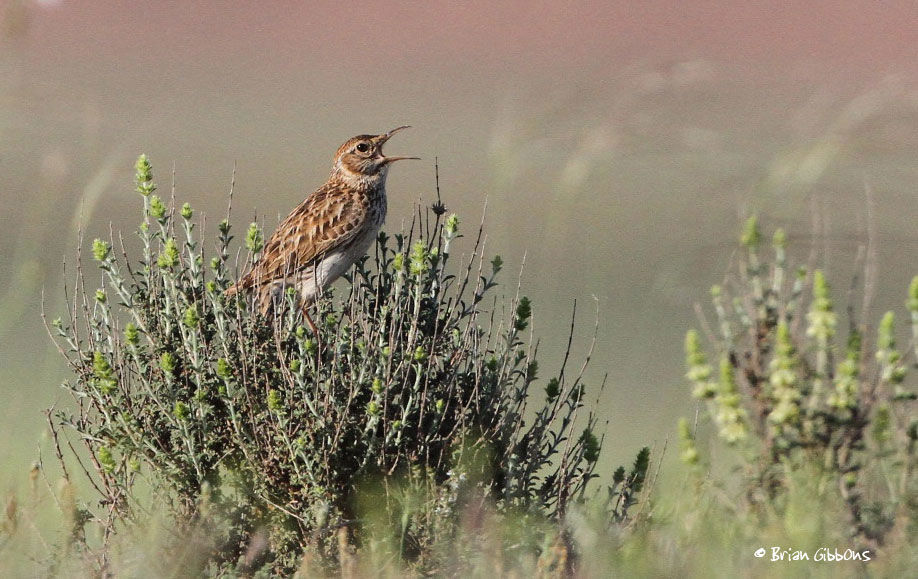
262,441
794,395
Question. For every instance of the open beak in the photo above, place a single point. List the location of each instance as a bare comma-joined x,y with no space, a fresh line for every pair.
380,139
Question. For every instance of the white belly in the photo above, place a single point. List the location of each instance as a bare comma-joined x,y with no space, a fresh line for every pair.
313,281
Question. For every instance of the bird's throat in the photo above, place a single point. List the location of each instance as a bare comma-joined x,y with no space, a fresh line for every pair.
362,181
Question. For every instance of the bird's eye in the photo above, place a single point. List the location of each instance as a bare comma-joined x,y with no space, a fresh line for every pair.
363,147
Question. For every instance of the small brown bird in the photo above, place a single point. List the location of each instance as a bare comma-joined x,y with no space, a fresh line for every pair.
326,233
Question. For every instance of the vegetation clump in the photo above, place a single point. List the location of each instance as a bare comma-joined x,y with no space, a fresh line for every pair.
268,447
797,395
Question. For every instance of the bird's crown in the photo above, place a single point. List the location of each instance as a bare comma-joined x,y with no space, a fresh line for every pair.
362,156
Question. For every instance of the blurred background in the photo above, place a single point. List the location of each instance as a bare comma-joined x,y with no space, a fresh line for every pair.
618,145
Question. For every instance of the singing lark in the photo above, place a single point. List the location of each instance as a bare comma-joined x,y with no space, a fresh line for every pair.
326,233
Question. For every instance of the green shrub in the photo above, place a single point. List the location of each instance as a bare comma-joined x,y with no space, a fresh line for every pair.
262,441
792,394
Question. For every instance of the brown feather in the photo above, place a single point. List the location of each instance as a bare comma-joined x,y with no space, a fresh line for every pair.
323,221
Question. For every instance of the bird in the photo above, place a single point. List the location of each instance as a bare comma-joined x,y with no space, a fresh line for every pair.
327,232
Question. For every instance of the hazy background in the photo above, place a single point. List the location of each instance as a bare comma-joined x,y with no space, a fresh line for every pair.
619,145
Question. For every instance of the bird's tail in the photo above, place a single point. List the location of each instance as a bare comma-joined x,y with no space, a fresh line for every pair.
242,284
263,297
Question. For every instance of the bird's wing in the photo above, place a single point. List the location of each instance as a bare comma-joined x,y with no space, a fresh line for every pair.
327,219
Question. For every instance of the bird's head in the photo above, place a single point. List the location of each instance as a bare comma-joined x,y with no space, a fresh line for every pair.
361,158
